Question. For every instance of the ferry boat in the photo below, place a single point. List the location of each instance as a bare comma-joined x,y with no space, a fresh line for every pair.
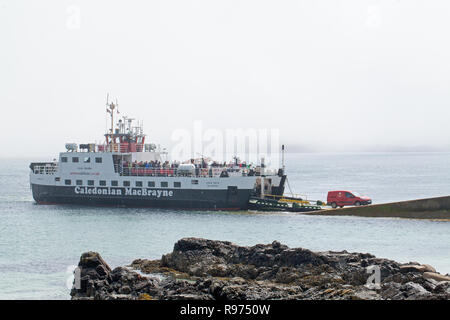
126,171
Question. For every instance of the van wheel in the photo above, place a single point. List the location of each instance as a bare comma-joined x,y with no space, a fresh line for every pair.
357,203
334,205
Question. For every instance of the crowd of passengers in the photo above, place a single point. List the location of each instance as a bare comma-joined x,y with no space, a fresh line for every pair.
128,166
167,165
150,165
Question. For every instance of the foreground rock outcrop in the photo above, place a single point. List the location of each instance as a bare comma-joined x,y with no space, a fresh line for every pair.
207,269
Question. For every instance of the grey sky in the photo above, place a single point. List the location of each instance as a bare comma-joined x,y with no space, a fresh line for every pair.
331,75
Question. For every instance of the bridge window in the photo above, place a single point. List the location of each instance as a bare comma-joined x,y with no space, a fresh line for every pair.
57,179
164,184
177,184
194,181
102,183
67,182
114,183
151,184
126,183
87,160
98,160
79,182
75,159
90,182
63,159
138,183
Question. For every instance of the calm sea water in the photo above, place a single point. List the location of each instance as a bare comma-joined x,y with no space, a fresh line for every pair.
38,243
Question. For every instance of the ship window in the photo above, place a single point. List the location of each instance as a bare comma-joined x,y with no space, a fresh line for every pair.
151,184
164,184
98,160
90,182
75,159
102,183
138,183
114,183
87,160
67,182
57,179
194,181
79,182
126,183
232,190
177,184
63,159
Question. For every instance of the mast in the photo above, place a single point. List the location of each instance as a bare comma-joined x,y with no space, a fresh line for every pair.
110,107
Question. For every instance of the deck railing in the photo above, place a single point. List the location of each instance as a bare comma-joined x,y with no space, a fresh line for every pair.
123,147
174,172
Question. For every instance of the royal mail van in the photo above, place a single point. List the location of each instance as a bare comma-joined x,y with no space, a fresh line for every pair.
346,198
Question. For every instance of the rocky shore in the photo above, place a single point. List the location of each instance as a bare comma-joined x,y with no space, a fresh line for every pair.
199,269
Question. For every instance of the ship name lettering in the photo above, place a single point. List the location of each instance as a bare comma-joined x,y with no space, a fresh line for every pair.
148,192
128,192
98,191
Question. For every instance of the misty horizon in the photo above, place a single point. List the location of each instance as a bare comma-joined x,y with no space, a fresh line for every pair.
353,76
290,149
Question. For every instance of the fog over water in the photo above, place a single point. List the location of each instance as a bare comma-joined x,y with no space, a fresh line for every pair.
366,75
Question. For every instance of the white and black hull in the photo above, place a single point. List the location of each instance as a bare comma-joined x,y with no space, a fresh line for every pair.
95,180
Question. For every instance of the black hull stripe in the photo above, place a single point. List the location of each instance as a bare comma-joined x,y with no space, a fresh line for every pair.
180,199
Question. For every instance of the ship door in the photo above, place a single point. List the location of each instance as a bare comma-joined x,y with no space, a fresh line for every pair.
232,194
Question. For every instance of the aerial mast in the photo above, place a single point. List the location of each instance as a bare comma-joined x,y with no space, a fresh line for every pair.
110,107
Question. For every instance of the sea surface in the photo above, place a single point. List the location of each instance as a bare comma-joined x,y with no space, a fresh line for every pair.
40,244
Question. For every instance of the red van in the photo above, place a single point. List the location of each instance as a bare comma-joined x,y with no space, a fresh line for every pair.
346,198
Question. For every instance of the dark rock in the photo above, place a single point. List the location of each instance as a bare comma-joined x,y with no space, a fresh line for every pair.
414,291
442,287
390,290
412,268
200,269
90,260
125,290
435,276
101,270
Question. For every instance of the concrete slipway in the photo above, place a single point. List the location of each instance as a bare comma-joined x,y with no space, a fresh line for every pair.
431,208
